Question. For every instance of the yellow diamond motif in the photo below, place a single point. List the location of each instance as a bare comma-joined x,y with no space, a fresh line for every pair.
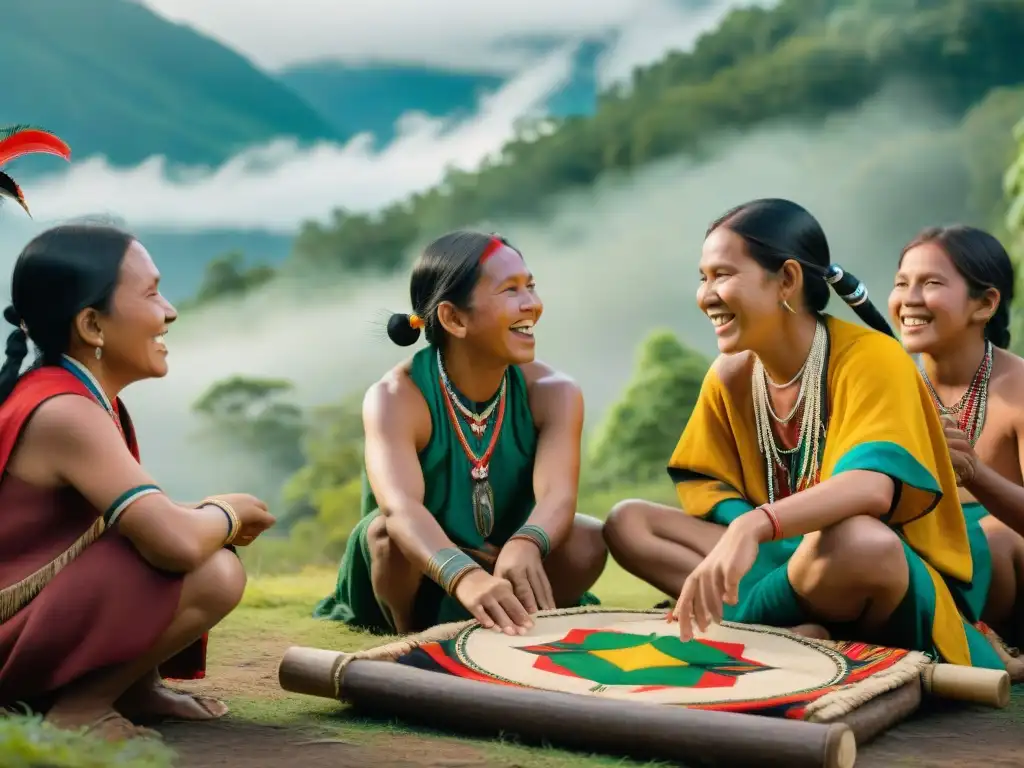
644,656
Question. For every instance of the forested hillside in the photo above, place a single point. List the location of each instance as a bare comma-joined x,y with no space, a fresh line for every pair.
799,60
114,79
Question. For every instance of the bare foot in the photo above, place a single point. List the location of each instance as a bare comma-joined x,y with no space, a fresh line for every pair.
151,700
107,725
813,631
1011,657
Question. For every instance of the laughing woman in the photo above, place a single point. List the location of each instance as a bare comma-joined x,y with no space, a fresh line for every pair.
812,452
951,298
105,583
472,460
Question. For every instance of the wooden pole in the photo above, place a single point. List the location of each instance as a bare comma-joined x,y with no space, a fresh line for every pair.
647,731
975,685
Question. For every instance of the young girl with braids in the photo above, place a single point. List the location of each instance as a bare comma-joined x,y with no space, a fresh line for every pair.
472,460
951,301
814,476
106,584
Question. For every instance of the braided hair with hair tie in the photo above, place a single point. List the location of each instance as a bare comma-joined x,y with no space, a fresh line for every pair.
853,291
16,351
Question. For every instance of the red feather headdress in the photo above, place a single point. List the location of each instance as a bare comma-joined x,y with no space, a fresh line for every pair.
19,140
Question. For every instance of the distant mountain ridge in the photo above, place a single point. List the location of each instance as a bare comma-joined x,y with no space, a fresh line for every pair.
371,98
113,78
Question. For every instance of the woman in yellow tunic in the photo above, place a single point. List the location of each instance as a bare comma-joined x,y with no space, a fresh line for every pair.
813,471
951,301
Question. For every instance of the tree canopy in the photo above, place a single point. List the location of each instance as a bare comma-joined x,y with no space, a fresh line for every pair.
633,443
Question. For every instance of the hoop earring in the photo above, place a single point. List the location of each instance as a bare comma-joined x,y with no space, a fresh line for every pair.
785,305
98,352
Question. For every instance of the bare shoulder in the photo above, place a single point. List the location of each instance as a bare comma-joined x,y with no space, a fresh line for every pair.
64,428
395,404
1007,383
394,393
1007,371
552,393
68,421
547,382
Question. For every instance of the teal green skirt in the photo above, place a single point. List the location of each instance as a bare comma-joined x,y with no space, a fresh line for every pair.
355,603
767,597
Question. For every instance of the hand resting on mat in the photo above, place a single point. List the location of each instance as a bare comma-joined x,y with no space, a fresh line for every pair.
493,603
520,563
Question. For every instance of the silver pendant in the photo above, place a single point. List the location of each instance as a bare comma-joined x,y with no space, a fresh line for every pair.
478,427
483,507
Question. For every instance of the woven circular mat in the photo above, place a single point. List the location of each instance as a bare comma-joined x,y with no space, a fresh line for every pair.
639,656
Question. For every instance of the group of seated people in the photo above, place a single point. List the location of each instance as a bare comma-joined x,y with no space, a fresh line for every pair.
828,482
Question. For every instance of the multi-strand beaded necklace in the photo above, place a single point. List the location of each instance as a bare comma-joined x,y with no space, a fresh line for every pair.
971,408
483,494
811,376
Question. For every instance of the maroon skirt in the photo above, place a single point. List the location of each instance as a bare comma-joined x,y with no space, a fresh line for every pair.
107,607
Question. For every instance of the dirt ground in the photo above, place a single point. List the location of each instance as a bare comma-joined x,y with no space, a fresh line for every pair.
228,744
954,738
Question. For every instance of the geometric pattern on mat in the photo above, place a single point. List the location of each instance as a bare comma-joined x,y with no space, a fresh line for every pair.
638,656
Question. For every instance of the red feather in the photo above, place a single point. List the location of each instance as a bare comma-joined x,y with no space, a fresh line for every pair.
23,140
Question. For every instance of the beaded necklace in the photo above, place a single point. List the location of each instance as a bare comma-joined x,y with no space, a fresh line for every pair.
970,410
811,426
477,421
85,376
483,494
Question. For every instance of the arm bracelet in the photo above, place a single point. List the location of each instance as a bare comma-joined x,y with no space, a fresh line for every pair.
229,513
447,567
537,535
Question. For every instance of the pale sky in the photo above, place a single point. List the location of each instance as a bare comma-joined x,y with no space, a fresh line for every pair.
470,34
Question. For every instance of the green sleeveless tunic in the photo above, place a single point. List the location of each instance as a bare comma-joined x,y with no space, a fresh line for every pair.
448,497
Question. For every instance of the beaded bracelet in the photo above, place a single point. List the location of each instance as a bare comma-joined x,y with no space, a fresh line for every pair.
447,567
229,512
535,534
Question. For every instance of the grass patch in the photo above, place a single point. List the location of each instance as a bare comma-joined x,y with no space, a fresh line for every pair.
29,742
